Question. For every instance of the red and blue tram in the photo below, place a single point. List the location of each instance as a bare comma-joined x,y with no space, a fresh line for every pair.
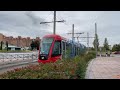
55,47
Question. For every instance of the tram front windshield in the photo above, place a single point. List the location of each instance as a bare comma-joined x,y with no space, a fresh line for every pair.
45,45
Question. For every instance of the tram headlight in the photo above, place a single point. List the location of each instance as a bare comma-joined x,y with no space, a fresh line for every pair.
42,57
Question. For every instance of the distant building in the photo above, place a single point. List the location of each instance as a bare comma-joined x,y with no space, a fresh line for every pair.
19,41
13,48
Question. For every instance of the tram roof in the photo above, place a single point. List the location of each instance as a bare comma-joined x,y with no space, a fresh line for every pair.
57,37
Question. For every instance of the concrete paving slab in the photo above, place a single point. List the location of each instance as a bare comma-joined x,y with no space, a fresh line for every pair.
104,68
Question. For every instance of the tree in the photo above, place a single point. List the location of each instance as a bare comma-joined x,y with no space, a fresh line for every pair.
7,45
1,45
32,45
96,42
106,45
37,43
116,47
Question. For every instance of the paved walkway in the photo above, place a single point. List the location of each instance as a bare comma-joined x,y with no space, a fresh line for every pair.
104,68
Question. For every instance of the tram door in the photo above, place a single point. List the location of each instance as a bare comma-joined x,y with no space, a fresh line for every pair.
56,49
63,49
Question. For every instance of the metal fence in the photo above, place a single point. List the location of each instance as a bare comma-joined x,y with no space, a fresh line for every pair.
9,58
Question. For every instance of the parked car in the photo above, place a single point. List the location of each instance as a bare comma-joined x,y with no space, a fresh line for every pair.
117,52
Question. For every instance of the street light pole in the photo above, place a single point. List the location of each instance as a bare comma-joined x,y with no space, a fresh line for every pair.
54,28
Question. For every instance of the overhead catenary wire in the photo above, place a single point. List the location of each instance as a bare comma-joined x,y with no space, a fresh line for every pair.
47,18
59,17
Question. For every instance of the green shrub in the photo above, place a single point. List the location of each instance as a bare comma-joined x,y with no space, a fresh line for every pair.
82,65
62,69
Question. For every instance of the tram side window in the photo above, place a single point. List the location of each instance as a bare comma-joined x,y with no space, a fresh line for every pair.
57,48
63,45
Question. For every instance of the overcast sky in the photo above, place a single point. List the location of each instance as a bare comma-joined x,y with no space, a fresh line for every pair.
27,23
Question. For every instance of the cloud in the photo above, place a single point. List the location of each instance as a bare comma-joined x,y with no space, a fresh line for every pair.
14,23
27,23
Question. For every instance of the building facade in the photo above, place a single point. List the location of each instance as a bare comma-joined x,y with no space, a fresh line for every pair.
18,41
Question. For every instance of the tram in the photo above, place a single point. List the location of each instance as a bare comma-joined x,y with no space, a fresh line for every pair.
55,47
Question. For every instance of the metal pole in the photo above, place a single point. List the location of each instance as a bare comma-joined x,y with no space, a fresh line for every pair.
65,50
88,40
23,56
72,40
54,28
73,32
96,37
